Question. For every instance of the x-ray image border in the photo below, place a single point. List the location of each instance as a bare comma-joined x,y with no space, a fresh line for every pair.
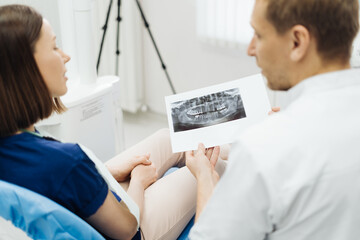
207,110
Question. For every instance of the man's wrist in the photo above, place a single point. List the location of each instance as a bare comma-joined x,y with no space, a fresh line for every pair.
204,175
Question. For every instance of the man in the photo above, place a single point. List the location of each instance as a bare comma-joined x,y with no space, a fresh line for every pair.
297,174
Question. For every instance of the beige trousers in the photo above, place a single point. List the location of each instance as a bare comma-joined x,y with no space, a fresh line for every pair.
170,202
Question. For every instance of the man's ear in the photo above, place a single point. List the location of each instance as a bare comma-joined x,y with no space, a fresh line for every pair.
300,37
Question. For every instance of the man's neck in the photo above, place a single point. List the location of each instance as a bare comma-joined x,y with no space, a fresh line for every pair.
315,68
333,68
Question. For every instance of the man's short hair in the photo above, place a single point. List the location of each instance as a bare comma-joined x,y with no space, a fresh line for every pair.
24,96
333,23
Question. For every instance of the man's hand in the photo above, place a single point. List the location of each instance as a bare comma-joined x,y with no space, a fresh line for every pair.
202,165
203,162
121,169
274,110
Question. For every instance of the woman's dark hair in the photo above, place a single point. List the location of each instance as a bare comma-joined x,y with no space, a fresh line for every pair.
24,96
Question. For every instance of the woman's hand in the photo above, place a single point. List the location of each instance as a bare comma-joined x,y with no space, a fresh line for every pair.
144,175
121,169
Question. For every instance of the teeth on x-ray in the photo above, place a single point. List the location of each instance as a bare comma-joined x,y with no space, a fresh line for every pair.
208,110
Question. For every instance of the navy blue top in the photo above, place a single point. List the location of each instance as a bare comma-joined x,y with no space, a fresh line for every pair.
59,171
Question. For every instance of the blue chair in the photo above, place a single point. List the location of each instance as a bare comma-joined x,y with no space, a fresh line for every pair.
185,234
42,218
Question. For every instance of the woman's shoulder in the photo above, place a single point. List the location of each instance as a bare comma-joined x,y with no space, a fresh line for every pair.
70,151
42,148
48,163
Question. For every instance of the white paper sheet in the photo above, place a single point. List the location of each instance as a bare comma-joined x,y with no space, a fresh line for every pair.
216,115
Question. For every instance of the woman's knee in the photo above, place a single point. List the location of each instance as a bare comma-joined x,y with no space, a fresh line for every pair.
163,134
164,131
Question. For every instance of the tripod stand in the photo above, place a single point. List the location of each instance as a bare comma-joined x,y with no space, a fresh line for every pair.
119,19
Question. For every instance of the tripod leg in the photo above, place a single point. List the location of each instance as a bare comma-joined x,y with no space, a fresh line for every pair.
104,33
156,48
118,19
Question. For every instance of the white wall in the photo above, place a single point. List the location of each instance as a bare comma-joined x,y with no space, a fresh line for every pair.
130,62
191,64
47,8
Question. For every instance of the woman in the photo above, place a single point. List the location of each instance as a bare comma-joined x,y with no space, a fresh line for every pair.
32,78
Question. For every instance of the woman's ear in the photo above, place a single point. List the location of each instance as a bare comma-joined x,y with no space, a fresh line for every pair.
300,37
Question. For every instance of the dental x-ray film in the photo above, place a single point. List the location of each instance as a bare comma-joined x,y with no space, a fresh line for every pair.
216,115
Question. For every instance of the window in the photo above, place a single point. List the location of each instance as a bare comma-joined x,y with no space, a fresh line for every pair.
225,22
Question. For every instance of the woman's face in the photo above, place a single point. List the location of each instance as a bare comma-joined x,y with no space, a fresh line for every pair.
51,61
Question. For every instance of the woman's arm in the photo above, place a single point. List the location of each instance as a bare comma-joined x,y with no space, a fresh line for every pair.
114,219
142,177
121,168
